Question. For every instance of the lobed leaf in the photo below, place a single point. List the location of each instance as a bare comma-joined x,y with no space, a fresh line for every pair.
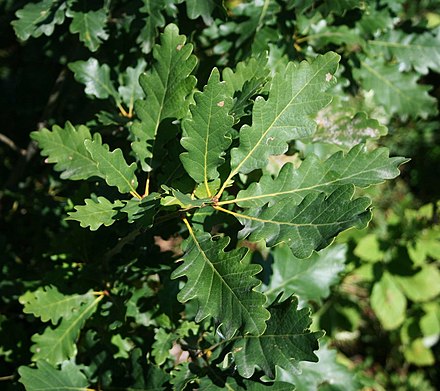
203,8
206,383
358,167
168,86
326,371
95,77
48,303
399,93
286,341
222,285
130,90
207,133
310,225
112,166
35,19
65,147
418,51
294,96
90,26
57,345
339,128
246,81
45,377
310,279
96,212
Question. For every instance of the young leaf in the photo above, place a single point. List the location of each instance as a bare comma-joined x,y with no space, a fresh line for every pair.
112,166
57,345
309,279
48,303
310,225
222,286
96,212
46,377
286,341
399,93
65,147
358,167
206,135
95,77
295,95
35,19
91,27
168,86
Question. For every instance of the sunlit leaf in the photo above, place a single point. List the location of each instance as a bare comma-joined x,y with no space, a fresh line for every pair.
207,134
295,95
96,212
112,166
45,377
168,86
48,303
90,26
65,147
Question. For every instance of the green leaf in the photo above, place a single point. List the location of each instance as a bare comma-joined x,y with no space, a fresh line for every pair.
48,303
203,8
96,212
57,345
230,383
95,77
112,166
207,133
310,225
368,249
153,22
310,279
388,302
295,94
222,285
326,371
65,147
418,51
163,342
246,81
130,89
397,92
142,211
422,286
344,130
35,19
45,377
91,27
358,167
286,341
168,86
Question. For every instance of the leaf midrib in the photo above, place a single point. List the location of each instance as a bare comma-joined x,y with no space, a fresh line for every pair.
237,169
215,272
74,324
